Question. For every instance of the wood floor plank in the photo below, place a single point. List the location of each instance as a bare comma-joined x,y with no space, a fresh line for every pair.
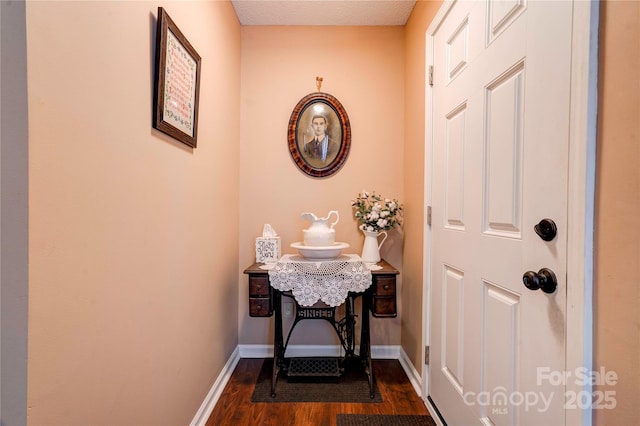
234,407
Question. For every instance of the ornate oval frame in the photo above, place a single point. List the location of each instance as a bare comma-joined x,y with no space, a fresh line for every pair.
329,158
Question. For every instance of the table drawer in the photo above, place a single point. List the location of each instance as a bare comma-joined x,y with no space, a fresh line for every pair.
385,286
384,307
260,307
260,296
383,303
258,286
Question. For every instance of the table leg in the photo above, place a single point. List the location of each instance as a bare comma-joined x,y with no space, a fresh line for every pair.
350,326
278,345
365,341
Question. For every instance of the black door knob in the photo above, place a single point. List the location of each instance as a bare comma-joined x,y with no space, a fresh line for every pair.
544,280
546,229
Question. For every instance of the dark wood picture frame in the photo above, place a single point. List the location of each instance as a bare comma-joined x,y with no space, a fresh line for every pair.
177,83
316,111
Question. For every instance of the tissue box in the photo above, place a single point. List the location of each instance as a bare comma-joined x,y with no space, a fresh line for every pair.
268,249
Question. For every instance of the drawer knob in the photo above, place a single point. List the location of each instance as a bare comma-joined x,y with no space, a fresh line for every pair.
386,286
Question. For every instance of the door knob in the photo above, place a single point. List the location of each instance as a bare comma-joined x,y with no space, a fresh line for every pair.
544,280
546,229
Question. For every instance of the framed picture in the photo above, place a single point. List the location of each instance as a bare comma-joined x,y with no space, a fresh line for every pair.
319,135
177,83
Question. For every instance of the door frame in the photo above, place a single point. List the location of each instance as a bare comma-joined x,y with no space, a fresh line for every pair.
581,198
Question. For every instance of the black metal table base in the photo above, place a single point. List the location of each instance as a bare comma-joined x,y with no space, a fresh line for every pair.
344,328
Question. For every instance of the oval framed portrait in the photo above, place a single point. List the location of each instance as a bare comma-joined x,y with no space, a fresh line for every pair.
319,135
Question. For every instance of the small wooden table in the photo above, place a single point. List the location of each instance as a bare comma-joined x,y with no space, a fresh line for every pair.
379,300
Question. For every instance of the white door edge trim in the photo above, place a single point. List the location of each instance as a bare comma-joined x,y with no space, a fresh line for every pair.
581,202
582,166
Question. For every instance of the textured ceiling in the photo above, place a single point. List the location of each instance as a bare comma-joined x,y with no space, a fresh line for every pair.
323,12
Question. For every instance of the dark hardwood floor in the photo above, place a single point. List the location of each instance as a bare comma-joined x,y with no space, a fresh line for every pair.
234,407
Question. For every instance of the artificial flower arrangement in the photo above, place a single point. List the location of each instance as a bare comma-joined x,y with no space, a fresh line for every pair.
376,214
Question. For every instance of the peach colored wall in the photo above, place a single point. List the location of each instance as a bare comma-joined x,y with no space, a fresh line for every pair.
133,235
414,174
363,67
617,279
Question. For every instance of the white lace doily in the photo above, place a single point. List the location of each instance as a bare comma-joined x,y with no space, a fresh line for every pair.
328,280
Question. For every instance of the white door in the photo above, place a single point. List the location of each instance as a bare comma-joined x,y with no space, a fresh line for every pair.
500,158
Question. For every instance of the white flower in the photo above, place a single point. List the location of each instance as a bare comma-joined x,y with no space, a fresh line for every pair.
375,213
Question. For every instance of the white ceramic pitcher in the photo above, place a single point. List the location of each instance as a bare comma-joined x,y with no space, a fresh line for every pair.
320,233
371,248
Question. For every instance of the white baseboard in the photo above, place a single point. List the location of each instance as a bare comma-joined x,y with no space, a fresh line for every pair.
255,351
411,372
266,351
201,417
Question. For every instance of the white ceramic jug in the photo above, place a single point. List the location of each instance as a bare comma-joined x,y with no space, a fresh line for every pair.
320,233
371,247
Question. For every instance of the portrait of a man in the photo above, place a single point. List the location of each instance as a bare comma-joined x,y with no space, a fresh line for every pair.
321,135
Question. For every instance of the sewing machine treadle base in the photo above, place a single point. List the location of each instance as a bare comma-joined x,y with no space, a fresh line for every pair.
314,369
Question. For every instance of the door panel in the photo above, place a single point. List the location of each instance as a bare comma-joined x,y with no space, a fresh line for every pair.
500,155
504,111
455,137
452,350
500,331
